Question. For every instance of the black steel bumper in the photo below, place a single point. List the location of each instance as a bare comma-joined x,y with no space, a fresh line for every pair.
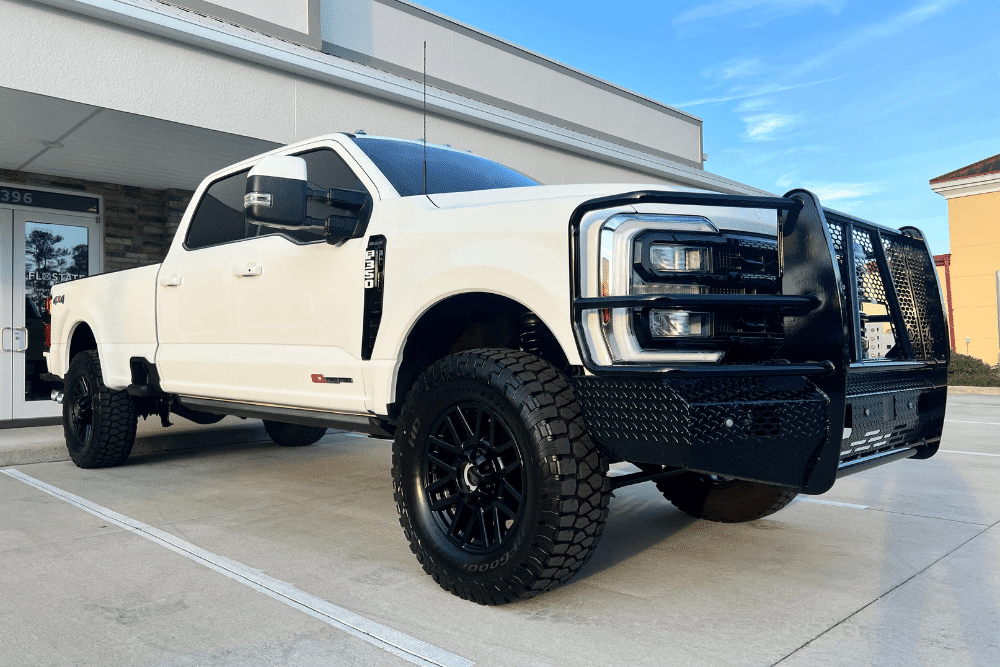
769,429
820,408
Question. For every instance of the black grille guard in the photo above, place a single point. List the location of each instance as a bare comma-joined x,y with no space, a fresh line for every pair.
821,252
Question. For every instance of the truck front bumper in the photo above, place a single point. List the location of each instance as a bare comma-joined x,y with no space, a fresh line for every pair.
768,429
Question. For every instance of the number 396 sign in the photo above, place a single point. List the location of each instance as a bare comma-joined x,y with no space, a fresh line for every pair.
11,196
39,199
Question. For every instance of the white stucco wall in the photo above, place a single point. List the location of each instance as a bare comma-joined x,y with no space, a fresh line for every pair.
393,32
206,74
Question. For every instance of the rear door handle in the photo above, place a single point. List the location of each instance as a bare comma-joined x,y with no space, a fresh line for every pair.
248,271
172,281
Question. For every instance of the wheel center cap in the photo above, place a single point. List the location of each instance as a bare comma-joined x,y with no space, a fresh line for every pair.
472,477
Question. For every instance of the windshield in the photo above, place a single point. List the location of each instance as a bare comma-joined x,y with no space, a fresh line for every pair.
402,162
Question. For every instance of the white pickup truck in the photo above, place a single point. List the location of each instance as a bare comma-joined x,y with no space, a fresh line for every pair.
513,339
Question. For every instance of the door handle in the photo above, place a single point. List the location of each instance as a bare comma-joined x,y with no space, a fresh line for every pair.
172,281
10,338
248,271
20,336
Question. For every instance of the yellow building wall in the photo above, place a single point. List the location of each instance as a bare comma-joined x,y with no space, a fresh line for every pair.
943,282
974,223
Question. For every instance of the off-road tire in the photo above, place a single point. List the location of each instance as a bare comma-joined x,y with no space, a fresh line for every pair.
99,423
562,476
724,500
293,435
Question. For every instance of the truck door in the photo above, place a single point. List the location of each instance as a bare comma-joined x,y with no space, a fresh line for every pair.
297,308
194,322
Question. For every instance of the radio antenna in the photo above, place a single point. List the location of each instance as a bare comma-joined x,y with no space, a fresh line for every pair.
425,118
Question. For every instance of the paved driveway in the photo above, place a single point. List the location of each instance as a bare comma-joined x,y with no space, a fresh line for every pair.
239,552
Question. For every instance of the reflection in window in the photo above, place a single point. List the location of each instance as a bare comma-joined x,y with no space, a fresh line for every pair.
52,254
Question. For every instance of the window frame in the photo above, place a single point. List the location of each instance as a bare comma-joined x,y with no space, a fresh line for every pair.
338,150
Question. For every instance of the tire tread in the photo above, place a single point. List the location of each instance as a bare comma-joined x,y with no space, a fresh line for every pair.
575,492
115,419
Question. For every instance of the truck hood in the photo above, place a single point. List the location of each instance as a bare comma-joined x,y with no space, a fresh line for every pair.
580,192
561,200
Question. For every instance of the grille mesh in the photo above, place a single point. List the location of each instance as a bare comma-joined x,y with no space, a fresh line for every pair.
911,274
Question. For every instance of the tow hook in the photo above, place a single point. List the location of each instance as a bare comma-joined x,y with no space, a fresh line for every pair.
58,396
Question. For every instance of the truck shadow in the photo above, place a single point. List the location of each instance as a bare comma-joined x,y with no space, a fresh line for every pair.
640,519
155,443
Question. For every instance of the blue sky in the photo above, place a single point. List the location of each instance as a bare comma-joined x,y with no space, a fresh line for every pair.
861,101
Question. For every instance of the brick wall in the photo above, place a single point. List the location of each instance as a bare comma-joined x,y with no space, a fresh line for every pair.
139,223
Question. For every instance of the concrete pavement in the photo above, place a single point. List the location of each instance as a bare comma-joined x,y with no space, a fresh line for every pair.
903,568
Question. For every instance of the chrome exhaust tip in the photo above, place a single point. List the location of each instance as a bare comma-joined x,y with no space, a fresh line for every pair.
57,396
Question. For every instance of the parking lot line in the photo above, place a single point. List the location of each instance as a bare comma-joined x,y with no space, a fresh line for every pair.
959,421
952,451
830,502
399,644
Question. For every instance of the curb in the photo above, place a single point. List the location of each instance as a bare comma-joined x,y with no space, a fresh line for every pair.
988,391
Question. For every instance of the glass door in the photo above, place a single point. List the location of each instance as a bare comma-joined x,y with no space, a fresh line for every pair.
48,248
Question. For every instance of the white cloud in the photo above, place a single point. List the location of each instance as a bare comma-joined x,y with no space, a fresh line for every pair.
746,93
752,104
829,192
874,33
736,68
763,127
764,9
787,180
837,191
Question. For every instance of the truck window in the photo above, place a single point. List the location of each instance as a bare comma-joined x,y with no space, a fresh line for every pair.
219,217
326,170
448,170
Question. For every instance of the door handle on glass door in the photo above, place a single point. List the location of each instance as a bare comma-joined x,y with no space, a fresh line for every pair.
20,336
172,281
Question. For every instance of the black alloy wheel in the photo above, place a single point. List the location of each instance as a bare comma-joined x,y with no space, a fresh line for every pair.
99,423
81,410
500,491
473,476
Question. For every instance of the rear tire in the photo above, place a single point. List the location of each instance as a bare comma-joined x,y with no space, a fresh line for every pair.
293,435
500,491
725,500
99,423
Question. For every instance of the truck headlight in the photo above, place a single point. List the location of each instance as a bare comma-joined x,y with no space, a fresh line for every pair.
621,246
678,323
670,258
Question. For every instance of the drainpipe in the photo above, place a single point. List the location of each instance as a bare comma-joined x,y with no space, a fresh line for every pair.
945,261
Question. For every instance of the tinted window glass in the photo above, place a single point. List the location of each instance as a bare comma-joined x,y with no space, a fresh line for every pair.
402,162
220,217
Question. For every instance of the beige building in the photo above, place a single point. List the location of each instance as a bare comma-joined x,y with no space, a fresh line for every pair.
114,110
972,270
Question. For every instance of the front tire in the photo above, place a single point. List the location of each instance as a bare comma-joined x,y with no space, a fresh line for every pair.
293,435
724,500
500,491
99,423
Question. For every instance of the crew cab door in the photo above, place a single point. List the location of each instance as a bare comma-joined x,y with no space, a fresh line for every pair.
297,306
261,315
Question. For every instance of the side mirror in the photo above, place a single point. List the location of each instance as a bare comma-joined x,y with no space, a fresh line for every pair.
277,191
